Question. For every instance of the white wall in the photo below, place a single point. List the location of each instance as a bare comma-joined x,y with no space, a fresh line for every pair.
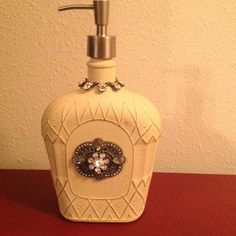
179,54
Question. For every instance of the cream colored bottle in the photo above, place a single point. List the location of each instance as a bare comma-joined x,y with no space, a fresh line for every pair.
101,140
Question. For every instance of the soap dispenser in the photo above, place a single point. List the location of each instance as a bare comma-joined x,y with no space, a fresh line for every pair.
101,139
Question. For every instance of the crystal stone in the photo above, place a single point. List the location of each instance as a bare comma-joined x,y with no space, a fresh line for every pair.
82,82
95,155
117,85
91,166
102,155
104,167
98,162
102,87
87,85
98,170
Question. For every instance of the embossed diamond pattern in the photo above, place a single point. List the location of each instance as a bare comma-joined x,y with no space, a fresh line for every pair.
126,207
135,126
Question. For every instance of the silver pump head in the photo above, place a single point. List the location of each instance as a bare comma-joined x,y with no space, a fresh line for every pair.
100,46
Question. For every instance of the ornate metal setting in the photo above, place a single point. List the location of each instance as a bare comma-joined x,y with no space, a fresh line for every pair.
87,85
98,159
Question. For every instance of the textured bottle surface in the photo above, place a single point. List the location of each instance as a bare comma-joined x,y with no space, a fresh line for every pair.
127,122
123,118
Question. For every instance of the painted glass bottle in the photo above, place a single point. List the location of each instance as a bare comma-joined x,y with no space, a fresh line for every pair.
101,139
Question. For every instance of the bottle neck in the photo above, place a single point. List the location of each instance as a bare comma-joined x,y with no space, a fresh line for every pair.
101,71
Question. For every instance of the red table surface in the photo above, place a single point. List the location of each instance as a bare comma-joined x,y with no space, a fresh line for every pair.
178,204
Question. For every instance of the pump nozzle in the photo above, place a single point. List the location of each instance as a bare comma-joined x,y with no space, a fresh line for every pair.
100,46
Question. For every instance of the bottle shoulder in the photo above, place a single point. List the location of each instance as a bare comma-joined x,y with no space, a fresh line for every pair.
121,106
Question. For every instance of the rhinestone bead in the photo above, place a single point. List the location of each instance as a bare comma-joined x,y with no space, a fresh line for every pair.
82,82
102,155
87,85
95,155
98,170
91,166
117,85
104,167
81,160
102,87
98,162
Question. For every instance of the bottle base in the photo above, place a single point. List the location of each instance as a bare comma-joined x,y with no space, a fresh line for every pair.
108,220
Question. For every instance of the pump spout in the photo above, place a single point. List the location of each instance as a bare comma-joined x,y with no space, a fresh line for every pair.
101,45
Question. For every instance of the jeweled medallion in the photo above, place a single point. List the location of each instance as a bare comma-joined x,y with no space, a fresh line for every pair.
99,159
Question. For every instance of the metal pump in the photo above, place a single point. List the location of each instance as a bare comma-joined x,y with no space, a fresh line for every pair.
100,46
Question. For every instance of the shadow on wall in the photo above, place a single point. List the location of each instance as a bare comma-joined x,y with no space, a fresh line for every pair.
188,135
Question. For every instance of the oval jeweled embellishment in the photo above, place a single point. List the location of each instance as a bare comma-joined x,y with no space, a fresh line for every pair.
98,159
